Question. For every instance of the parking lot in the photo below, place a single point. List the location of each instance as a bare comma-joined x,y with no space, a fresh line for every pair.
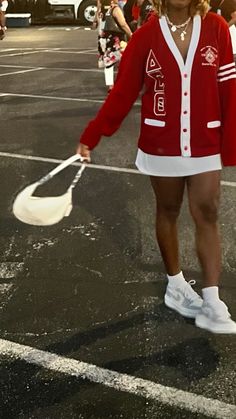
84,332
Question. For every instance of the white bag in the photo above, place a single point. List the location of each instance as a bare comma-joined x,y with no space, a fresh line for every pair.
44,211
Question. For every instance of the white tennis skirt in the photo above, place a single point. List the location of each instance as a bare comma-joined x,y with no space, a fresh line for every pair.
176,166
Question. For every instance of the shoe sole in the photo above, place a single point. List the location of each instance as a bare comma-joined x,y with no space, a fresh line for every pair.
203,322
181,310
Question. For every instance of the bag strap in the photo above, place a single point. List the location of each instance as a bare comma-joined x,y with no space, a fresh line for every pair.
60,167
77,177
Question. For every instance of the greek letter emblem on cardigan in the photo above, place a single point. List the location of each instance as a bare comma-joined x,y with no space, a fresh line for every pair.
153,70
209,55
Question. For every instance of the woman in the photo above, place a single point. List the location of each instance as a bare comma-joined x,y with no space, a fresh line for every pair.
110,41
182,59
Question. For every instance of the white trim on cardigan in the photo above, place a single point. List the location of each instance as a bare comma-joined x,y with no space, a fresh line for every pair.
172,166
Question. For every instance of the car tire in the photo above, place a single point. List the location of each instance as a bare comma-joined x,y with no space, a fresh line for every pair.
87,12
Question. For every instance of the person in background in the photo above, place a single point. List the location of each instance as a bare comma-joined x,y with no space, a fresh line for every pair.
98,23
182,61
111,43
3,8
146,8
131,13
136,12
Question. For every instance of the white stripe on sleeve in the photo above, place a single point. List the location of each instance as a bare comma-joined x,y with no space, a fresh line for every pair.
224,67
227,72
233,76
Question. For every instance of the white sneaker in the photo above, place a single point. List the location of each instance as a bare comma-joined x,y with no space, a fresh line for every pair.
183,299
215,318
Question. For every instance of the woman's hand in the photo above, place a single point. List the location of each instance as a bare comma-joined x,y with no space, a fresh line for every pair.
84,151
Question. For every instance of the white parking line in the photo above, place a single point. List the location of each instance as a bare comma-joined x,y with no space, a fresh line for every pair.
122,382
86,51
60,28
22,53
17,66
21,72
91,165
70,99
91,70
91,51
57,161
227,183
7,49
39,48
29,49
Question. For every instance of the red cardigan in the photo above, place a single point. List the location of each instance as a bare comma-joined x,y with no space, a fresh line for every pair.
188,109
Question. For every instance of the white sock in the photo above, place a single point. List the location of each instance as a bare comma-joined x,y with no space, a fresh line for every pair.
175,279
211,294
109,75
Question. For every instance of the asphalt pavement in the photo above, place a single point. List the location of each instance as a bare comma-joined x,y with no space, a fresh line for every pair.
84,333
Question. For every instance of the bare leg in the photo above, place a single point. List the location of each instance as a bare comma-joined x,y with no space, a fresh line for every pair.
204,194
169,196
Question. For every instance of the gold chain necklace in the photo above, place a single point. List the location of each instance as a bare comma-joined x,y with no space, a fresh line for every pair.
182,27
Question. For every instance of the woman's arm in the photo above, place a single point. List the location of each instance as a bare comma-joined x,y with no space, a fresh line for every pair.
118,15
127,86
97,14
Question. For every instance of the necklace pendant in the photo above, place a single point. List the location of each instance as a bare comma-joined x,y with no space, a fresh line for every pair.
173,28
182,36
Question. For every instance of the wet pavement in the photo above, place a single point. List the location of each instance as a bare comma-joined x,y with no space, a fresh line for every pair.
91,287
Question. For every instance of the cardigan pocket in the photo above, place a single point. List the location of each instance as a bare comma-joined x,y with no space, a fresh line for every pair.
154,122
213,124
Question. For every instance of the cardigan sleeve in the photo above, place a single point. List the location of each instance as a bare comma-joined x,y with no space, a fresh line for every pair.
227,91
127,87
